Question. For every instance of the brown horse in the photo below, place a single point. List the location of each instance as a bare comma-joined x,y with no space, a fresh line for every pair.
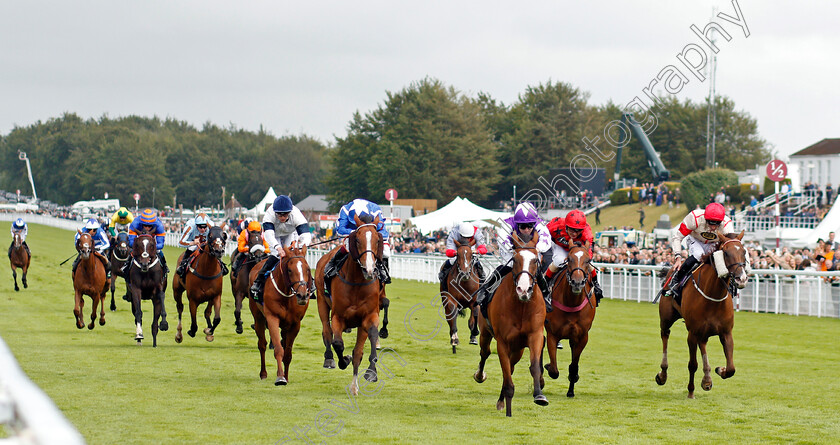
515,318
240,285
707,308
19,258
89,279
203,284
355,301
573,312
119,255
147,281
457,292
292,277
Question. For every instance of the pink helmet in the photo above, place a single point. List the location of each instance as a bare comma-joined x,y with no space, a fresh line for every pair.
714,213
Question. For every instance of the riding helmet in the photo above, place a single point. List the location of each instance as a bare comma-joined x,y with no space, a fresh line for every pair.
92,224
148,217
714,212
576,220
201,218
19,223
466,230
122,213
526,213
282,204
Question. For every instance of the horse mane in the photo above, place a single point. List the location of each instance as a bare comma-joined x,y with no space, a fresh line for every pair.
366,218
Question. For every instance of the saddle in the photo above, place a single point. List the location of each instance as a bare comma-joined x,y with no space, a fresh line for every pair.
678,290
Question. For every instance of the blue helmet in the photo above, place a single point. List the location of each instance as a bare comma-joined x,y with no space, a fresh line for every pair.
282,204
19,223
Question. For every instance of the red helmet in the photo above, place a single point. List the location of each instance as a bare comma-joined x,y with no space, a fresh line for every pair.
576,220
714,212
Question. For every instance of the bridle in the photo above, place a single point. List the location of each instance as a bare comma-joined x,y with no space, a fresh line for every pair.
308,291
570,270
527,272
726,254
363,252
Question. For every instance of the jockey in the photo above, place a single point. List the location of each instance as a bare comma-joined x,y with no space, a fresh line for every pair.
281,227
346,224
464,233
526,223
100,244
243,225
704,227
191,238
120,221
19,227
148,224
564,233
253,226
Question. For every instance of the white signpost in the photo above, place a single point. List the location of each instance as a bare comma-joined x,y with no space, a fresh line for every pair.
391,196
777,172
136,201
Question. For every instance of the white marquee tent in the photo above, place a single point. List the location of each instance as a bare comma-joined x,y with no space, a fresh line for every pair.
460,209
259,210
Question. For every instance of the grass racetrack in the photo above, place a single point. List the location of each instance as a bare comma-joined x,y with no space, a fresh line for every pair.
785,389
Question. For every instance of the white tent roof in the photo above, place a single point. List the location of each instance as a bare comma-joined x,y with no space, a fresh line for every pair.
460,209
259,210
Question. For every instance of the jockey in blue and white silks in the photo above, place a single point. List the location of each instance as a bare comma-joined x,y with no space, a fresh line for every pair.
345,225
148,223
19,227
195,228
101,244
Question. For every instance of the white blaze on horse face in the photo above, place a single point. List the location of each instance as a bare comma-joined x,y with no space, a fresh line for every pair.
145,253
368,255
466,266
524,281
300,269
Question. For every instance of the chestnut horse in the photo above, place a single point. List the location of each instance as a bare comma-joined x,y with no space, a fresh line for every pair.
89,279
457,292
707,308
19,258
573,312
292,277
355,302
203,283
147,281
515,318
119,255
240,285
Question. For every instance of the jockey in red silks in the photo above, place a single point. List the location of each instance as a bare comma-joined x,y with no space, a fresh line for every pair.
565,232
464,233
703,226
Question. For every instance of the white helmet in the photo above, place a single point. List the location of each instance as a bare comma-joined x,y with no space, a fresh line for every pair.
202,219
92,224
466,229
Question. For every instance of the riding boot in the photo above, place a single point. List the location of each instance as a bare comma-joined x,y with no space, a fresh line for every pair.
384,272
163,261
107,265
331,269
76,263
479,269
599,293
444,272
181,270
237,263
680,275
224,267
484,291
546,292
28,252
257,287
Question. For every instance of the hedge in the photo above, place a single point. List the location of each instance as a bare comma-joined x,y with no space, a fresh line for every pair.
698,186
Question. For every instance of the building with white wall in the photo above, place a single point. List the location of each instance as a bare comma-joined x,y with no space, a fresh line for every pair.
819,163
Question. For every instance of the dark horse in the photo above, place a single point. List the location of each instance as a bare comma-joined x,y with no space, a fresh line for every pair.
119,255
282,314
19,258
573,312
515,318
707,308
146,281
355,302
203,284
89,279
457,292
240,285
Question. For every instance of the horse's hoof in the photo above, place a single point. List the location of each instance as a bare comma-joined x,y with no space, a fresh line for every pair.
17,289
329,363
660,380
383,333
500,405
553,374
179,338
209,337
480,379
113,308
191,333
163,325
541,400
706,385
206,331
691,396
91,326
570,394
344,362
473,340
559,345
239,328
101,322
453,349
370,376
281,381
263,375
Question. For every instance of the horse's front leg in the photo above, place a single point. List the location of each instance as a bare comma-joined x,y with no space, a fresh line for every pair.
551,346
506,394
373,335
358,352
14,275
259,329
706,382
666,320
385,303
179,306
93,306
289,341
193,322
237,305
692,363
274,332
484,351
577,346
337,341
728,350
102,297
23,277
113,289
450,307
156,305
473,324
535,348
77,309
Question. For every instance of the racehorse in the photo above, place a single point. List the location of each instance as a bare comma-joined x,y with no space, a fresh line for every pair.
707,308
515,318
292,277
573,312
120,253
203,283
146,281
355,301
89,279
19,259
456,292
240,285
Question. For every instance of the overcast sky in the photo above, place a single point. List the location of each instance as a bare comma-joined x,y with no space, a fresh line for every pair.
305,67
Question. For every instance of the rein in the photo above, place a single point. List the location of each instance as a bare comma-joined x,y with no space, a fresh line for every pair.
291,284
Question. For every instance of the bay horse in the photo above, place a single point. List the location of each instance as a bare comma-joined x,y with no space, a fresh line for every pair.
573,312
89,279
356,295
515,318
146,281
707,308
282,314
19,258
119,255
203,283
457,290
240,285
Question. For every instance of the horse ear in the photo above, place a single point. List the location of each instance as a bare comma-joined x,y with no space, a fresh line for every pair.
741,236
534,240
79,230
224,235
517,241
472,242
376,220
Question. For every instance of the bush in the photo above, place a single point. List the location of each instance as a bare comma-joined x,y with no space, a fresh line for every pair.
741,192
698,186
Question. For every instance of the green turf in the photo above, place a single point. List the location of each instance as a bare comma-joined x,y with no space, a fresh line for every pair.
785,389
